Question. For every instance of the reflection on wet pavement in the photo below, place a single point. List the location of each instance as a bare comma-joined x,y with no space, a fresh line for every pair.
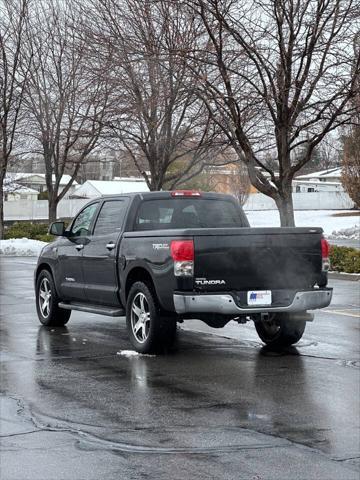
211,396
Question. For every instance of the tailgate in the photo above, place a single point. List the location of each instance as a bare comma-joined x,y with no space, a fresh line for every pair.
258,259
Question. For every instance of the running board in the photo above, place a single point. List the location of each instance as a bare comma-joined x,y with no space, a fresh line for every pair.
100,309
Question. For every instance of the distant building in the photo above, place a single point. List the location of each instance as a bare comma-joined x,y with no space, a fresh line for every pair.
107,165
36,181
322,181
301,186
97,188
329,175
228,179
27,164
97,167
15,191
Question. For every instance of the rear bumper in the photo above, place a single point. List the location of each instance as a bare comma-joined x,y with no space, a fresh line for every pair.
225,303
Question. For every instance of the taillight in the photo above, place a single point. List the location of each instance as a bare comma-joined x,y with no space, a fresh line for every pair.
185,193
182,252
325,253
325,248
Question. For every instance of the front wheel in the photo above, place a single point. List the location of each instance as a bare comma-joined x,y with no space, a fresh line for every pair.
148,328
281,330
47,302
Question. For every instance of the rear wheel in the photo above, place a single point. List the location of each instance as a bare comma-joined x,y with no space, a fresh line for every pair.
47,302
149,329
281,330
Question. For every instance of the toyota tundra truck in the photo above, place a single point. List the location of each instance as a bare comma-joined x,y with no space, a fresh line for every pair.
160,258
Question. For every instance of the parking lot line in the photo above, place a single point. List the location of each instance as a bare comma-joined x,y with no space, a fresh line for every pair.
342,312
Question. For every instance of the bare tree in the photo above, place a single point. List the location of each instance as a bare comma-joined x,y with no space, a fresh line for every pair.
351,156
239,183
278,76
351,165
66,103
326,155
13,75
330,153
156,117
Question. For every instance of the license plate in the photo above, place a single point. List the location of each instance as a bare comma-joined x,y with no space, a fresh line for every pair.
259,297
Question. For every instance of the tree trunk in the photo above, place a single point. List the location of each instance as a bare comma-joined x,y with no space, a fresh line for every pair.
52,210
285,206
1,209
155,182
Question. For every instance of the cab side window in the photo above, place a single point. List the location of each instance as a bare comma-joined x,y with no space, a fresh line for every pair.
81,225
111,217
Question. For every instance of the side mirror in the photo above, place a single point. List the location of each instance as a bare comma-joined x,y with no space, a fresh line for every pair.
57,228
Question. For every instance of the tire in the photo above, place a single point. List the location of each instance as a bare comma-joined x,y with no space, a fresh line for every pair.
149,330
281,330
323,280
47,301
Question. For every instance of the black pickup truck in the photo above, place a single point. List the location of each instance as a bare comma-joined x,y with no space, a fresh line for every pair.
163,257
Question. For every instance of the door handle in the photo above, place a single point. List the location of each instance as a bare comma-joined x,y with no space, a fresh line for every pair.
110,245
79,247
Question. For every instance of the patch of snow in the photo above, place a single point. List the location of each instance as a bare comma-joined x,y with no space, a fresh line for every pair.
23,247
306,218
132,353
352,233
344,273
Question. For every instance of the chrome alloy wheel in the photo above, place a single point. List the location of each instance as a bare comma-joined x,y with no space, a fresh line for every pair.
140,317
45,297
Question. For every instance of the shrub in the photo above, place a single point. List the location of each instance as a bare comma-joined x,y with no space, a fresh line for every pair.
43,195
344,259
35,231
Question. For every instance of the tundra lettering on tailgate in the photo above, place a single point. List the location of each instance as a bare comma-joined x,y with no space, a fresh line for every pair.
204,281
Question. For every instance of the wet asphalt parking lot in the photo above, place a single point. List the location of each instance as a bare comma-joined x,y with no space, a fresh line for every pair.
219,406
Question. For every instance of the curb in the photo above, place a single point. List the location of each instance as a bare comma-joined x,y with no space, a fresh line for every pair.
354,277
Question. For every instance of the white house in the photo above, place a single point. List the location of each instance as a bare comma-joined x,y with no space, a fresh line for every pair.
15,191
36,181
97,188
329,175
301,186
322,181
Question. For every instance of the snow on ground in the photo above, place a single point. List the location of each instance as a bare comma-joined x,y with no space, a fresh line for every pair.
23,247
352,233
132,353
309,218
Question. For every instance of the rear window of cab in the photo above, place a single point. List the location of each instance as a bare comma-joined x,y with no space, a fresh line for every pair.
188,213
